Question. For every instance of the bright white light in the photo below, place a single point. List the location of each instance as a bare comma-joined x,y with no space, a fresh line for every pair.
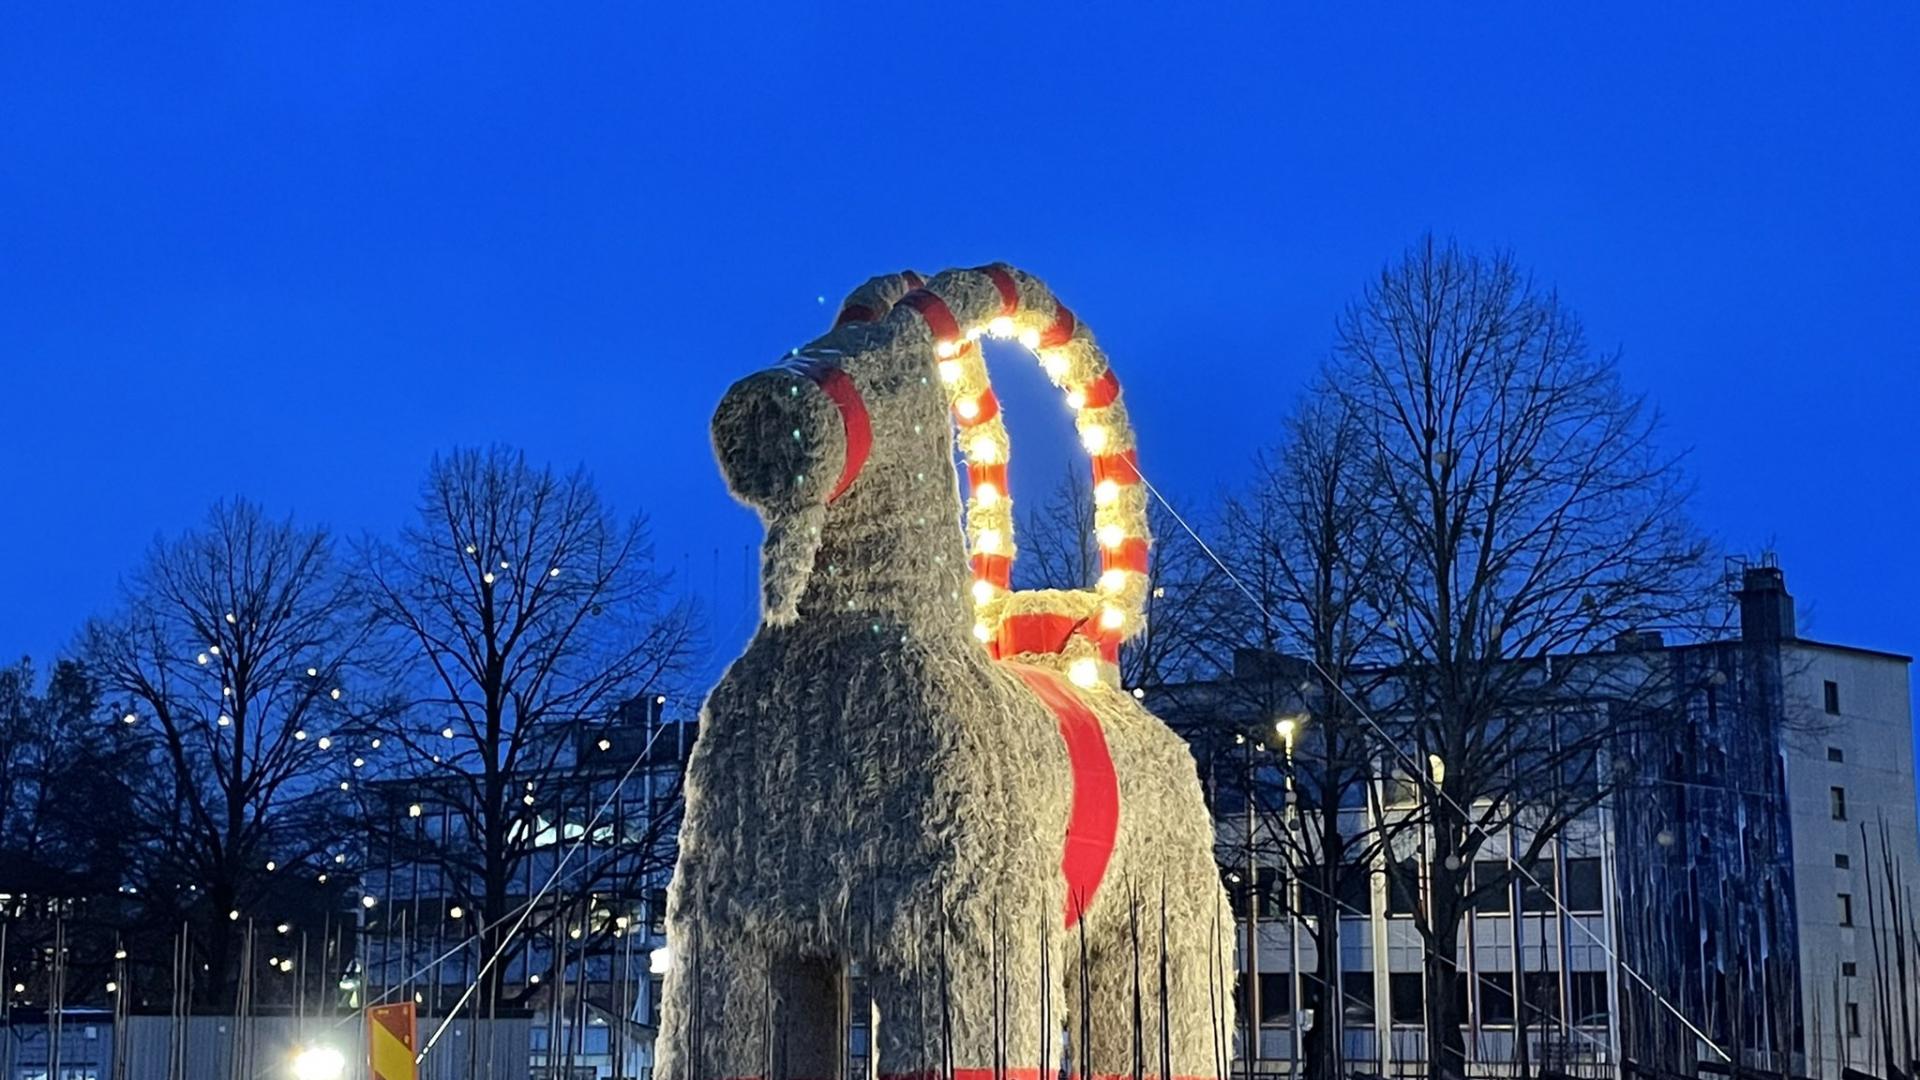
1055,364
1111,618
982,631
414,810
224,720
1000,326
1030,338
129,719
368,901
214,649
455,912
1112,536
949,371
1139,692
319,1063
272,866
326,743
659,960
1437,767
986,494
233,916
334,693
487,577
968,408
1076,400
982,592
345,786
230,619
446,733
945,349
299,735
313,673
604,744
202,658
1105,492
1094,438
555,572
1083,672
1113,580
983,449
989,541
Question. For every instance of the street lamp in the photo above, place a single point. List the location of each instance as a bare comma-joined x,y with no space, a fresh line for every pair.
319,1063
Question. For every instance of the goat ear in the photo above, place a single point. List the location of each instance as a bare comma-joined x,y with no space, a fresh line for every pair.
786,561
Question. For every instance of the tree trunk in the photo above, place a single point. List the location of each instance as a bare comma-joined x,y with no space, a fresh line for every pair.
1446,1011
1325,1056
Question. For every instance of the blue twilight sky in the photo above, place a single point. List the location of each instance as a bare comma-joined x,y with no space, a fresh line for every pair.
290,250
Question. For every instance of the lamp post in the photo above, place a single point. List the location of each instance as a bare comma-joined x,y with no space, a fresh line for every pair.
1287,727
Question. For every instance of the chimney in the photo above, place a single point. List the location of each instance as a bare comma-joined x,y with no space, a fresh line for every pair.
1766,608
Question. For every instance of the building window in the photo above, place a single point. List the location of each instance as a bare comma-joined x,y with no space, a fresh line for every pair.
1846,909
1583,886
1403,888
1833,697
1590,1006
1356,996
1838,799
1496,997
1499,901
1849,968
1542,995
1834,754
1405,997
1276,997
1842,861
1536,888
1853,1018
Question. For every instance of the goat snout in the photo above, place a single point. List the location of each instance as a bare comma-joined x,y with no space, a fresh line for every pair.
780,440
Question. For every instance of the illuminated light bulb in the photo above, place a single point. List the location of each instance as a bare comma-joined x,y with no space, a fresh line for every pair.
233,916
359,762
982,631
574,933
415,810
1076,400
375,744
299,734
112,987
986,494
1094,438
202,658
1112,536
660,960
983,448
322,879
456,912
982,592
231,620
1113,580
968,408
326,743
284,928
368,901
225,720
341,858
555,572
504,564
226,691
945,349
973,333
1138,693
1000,326
272,866
344,786
446,733
129,719
1083,672
949,371
313,673
1111,618
1105,492
1030,338
119,954
528,799
471,550
334,693
487,577
319,1063
1054,364
989,541
604,745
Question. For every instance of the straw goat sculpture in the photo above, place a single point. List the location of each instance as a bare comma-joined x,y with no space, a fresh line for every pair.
919,795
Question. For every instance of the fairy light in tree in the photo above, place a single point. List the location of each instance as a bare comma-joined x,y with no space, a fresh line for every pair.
299,734
415,810
203,658
326,743
313,673
224,720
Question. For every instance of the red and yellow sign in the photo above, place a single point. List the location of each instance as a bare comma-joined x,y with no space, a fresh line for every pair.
391,1037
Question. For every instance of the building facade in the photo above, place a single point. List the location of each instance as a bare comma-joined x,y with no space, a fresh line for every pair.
1741,894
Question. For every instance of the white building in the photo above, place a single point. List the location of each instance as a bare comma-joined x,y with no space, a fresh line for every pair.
1729,894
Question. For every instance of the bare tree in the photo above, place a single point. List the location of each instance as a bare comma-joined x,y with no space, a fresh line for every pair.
1184,635
1533,519
1303,545
231,655
529,617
